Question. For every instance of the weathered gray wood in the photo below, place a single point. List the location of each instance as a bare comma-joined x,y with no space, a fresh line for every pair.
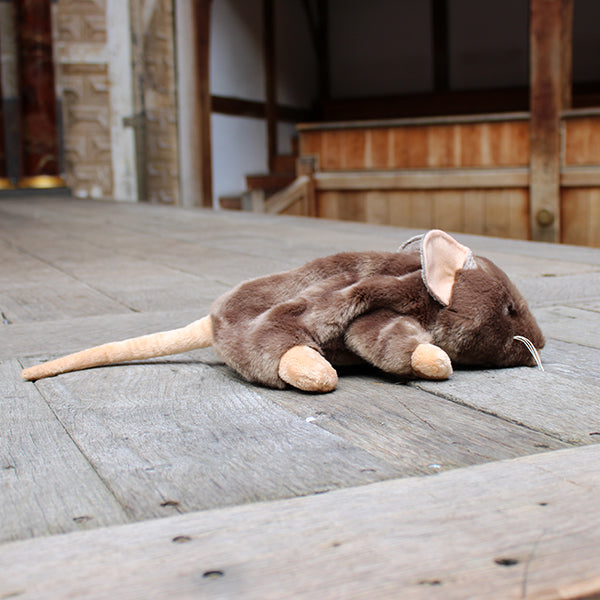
419,432
177,435
526,528
570,324
47,485
544,401
54,338
33,290
571,360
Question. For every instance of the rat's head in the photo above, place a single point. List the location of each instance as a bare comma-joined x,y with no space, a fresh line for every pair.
481,311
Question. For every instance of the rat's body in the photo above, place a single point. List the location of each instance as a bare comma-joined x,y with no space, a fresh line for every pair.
410,313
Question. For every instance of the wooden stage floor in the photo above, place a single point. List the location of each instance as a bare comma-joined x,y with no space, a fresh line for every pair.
173,478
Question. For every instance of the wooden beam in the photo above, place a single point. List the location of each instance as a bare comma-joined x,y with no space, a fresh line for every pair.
550,51
270,79
201,19
424,179
440,42
239,107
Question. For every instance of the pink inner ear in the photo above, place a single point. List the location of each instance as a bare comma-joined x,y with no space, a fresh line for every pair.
442,257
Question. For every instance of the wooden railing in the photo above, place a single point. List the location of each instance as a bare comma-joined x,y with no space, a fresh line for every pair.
465,174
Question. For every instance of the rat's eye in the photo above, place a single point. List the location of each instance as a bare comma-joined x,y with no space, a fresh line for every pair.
510,310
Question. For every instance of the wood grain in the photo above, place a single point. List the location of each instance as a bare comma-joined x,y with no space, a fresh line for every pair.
47,485
177,435
521,528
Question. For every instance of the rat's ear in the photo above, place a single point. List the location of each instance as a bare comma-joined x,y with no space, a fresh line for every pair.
441,257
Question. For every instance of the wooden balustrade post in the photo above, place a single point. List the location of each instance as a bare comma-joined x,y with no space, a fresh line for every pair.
40,166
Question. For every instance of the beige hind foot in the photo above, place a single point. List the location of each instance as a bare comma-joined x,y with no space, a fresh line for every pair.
305,369
431,362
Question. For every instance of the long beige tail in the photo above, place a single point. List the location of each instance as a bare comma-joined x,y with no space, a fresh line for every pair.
195,335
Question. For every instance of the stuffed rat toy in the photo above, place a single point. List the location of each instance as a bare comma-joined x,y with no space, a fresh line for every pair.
411,313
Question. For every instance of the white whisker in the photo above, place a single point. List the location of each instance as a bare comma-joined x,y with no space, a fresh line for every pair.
534,352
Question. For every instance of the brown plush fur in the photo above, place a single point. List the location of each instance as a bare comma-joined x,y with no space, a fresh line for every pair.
404,312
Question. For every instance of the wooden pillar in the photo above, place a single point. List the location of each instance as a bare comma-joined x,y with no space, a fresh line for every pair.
4,180
269,51
201,18
550,92
39,132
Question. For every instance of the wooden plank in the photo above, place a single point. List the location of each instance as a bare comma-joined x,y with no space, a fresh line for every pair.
409,147
581,210
509,143
178,434
563,290
63,336
377,208
582,146
579,177
544,401
570,324
354,149
379,149
430,179
524,528
47,485
418,433
31,289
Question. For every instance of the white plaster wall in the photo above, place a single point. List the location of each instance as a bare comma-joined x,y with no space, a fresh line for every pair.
239,149
237,70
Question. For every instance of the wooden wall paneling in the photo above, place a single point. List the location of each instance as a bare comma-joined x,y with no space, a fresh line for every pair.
377,207
509,143
581,216
474,211
327,205
378,155
352,206
473,140
409,147
354,148
582,141
311,143
448,212
400,208
331,150
422,209
441,146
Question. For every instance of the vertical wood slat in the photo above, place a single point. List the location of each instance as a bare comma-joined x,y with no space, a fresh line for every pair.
502,213
503,144
581,216
582,141
550,47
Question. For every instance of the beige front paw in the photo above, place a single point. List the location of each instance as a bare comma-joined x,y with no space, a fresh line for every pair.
431,362
307,370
